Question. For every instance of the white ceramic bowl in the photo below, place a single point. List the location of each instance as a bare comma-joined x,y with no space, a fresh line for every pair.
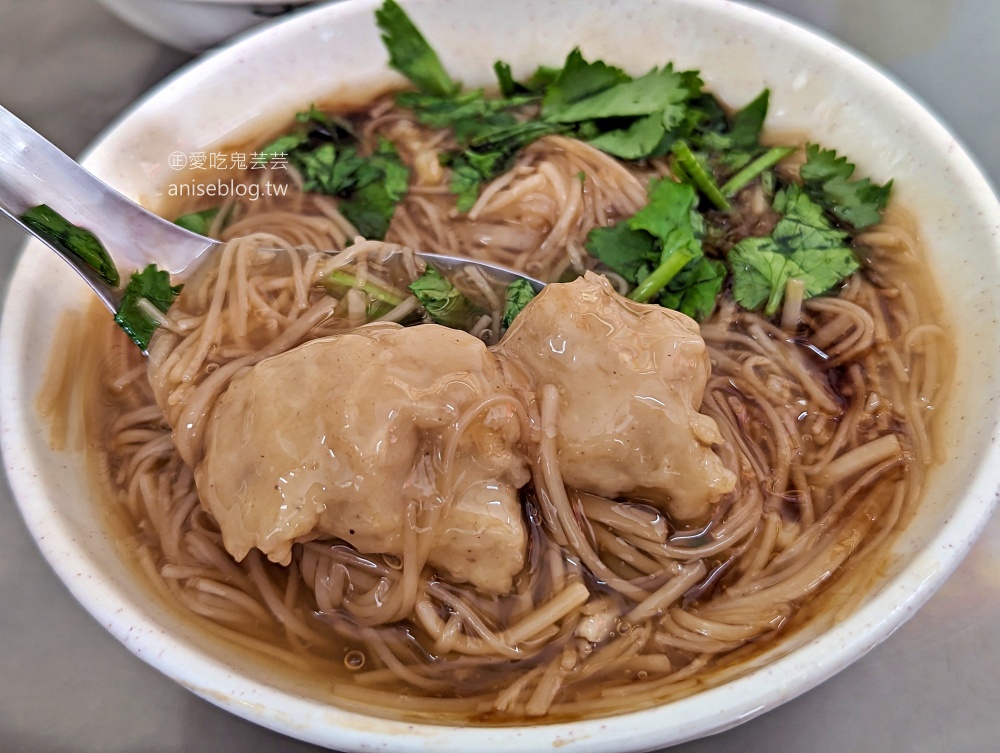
196,25
256,84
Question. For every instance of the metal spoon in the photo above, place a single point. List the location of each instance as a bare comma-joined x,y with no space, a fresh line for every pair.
34,171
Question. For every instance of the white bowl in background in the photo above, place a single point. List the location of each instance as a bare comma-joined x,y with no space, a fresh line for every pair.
257,83
196,25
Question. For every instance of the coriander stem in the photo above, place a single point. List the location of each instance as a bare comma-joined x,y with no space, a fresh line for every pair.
749,172
345,280
680,173
699,176
774,300
662,275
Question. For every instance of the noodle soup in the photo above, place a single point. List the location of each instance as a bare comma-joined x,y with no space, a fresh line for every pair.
825,425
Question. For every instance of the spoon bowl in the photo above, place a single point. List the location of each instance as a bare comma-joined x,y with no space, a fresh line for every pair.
33,171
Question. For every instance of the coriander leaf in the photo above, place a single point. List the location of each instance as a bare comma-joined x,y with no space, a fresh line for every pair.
379,182
577,80
705,123
795,234
327,169
442,300
286,145
397,179
803,244
761,270
368,187
710,113
470,169
820,271
313,115
745,127
758,269
465,182
691,80
505,79
695,288
336,128
198,222
734,159
642,96
540,80
826,177
491,154
57,231
736,138
395,175
325,129
639,140
794,202
369,209
518,294
471,116
513,136
655,244
152,285
669,216
630,253
804,224
409,52
543,77
486,163
439,111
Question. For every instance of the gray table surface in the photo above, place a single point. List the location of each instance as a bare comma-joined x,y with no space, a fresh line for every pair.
68,67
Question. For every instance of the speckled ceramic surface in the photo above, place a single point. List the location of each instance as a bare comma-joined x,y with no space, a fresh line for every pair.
259,82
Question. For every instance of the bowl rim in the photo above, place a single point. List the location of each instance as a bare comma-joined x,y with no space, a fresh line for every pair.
790,675
244,3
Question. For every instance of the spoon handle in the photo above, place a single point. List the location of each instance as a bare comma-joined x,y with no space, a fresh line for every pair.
34,171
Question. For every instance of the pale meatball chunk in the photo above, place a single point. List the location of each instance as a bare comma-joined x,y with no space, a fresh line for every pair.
354,436
630,378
